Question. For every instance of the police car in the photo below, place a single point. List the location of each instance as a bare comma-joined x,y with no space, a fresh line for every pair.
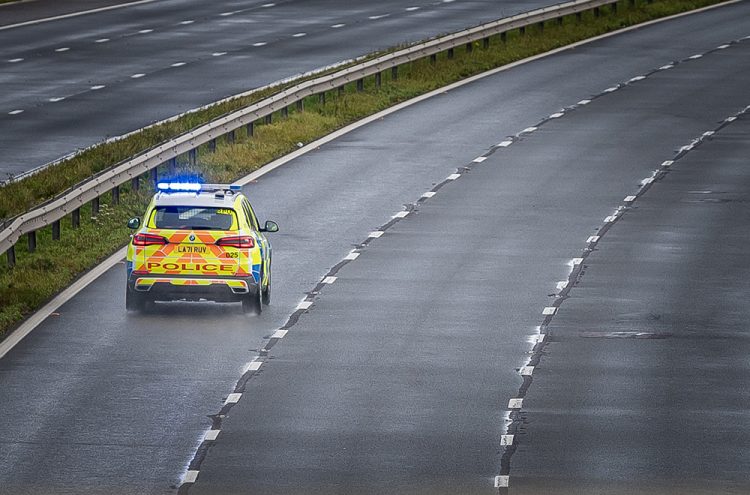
199,241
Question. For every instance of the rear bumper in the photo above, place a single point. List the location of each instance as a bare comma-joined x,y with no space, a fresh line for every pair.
166,288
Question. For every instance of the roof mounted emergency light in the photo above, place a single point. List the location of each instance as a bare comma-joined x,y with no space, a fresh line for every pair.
168,187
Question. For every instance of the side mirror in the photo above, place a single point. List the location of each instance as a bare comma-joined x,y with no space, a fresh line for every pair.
270,227
134,223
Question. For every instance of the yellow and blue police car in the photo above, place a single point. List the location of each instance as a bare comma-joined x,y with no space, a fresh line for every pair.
199,241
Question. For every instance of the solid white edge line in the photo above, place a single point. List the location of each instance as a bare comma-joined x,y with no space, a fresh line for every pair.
74,14
38,317
35,319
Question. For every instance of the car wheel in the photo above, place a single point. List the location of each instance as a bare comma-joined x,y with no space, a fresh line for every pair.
252,303
267,292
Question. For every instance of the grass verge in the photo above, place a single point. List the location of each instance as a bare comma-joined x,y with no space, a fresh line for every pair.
39,275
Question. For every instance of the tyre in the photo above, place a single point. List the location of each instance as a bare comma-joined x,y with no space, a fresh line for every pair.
267,293
252,303
134,301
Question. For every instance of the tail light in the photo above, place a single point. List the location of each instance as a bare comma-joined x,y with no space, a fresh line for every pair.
237,241
148,240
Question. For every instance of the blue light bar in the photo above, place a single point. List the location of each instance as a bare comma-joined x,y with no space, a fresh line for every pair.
178,186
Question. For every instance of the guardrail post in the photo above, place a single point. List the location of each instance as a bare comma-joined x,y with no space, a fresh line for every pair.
394,72
360,84
95,206
172,165
541,27
32,241
378,80
341,90
135,183
154,176
230,137
560,20
614,7
116,195
269,118
301,105
192,156
503,37
75,218
579,16
469,47
284,112
597,12
433,58
322,98
632,3
522,30
11,256
450,52
56,230
485,43
250,129
212,145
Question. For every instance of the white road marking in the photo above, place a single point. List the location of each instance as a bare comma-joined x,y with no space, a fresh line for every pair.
329,280
584,102
636,78
504,144
268,5
218,54
15,60
190,476
15,112
549,310
610,219
400,214
137,76
225,14
56,99
479,159
593,238
501,481
211,435
699,55
97,87
233,398
376,234
279,334
528,130
252,366
629,199
428,194
575,261
526,370
610,90
647,180
506,440
260,43
336,26
453,176
178,64
299,35
667,163
515,403
556,115
73,14
665,67
561,284
351,256
304,305
376,17
102,40
539,337
730,119
411,9
185,23
145,31
62,49
708,133
721,47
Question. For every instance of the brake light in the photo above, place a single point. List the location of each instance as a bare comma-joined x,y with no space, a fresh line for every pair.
148,240
237,241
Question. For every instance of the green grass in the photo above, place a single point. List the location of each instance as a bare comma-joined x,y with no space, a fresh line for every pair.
40,275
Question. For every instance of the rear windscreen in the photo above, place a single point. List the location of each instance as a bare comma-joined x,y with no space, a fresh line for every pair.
193,218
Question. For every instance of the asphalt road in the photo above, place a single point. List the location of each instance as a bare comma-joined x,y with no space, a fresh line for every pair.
397,379
73,82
